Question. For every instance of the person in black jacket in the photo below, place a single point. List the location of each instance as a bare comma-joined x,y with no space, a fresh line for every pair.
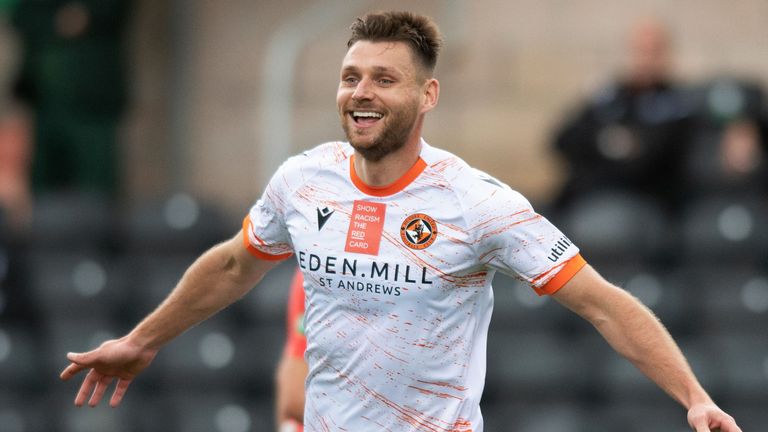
631,135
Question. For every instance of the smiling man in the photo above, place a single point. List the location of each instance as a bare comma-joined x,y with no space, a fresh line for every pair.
384,91
398,242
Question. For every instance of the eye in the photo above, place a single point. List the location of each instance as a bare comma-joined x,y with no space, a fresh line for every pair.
386,81
350,80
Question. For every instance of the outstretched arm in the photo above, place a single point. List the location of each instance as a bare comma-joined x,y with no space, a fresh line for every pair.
216,279
635,333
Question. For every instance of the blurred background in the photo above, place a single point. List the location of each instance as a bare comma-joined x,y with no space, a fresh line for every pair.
136,134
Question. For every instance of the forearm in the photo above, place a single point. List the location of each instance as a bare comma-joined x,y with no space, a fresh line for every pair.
215,280
635,333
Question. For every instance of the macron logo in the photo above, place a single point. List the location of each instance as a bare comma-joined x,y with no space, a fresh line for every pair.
322,216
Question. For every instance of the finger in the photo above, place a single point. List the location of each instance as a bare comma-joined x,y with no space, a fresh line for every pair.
120,389
71,370
80,358
725,423
728,426
101,388
701,427
87,387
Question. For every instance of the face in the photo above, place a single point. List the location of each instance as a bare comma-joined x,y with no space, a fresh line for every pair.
649,52
381,97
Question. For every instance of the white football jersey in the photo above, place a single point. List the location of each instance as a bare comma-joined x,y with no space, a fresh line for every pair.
398,283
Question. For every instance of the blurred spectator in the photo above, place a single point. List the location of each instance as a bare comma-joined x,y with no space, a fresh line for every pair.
15,195
728,152
15,199
73,79
631,135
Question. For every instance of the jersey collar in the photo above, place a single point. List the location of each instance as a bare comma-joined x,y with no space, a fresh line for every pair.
392,188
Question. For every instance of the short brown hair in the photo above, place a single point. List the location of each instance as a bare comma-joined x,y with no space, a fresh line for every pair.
418,31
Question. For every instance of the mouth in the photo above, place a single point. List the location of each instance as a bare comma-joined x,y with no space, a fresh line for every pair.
365,118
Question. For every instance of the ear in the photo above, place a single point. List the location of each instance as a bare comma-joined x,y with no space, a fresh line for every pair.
430,95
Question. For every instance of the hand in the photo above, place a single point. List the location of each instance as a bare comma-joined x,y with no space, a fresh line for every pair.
118,358
708,417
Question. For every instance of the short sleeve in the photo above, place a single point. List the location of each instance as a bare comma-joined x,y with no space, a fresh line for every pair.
264,229
516,240
296,341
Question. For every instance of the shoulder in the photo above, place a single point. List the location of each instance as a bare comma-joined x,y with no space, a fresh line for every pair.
330,152
323,155
476,190
302,167
489,195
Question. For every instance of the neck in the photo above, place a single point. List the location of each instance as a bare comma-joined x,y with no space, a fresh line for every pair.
391,167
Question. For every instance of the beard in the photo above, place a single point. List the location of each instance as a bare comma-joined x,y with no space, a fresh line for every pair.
399,125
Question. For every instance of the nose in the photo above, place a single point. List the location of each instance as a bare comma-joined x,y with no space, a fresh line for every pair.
363,90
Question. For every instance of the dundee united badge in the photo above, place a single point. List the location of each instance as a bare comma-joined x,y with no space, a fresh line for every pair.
418,231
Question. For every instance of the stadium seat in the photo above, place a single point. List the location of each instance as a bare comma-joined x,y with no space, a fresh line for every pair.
619,380
725,229
258,351
202,357
72,221
661,289
518,307
17,305
617,226
556,415
702,164
175,224
731,297
217,353
551,419
71,284
152,276
706,362
751,415
19,358
744,366
152,408
636,416
25,412
222,411
99,419
537,365
267,302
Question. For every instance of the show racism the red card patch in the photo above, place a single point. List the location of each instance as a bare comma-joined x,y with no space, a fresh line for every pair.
365,227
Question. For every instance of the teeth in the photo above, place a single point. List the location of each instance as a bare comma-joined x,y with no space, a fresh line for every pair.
366,114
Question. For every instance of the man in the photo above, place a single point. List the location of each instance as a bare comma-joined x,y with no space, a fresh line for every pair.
73,77
632,129
396,321
292,369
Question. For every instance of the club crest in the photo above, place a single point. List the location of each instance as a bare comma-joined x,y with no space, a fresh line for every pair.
418,231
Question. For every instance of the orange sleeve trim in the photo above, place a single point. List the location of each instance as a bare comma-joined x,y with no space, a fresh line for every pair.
569,270
255,252
390,189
